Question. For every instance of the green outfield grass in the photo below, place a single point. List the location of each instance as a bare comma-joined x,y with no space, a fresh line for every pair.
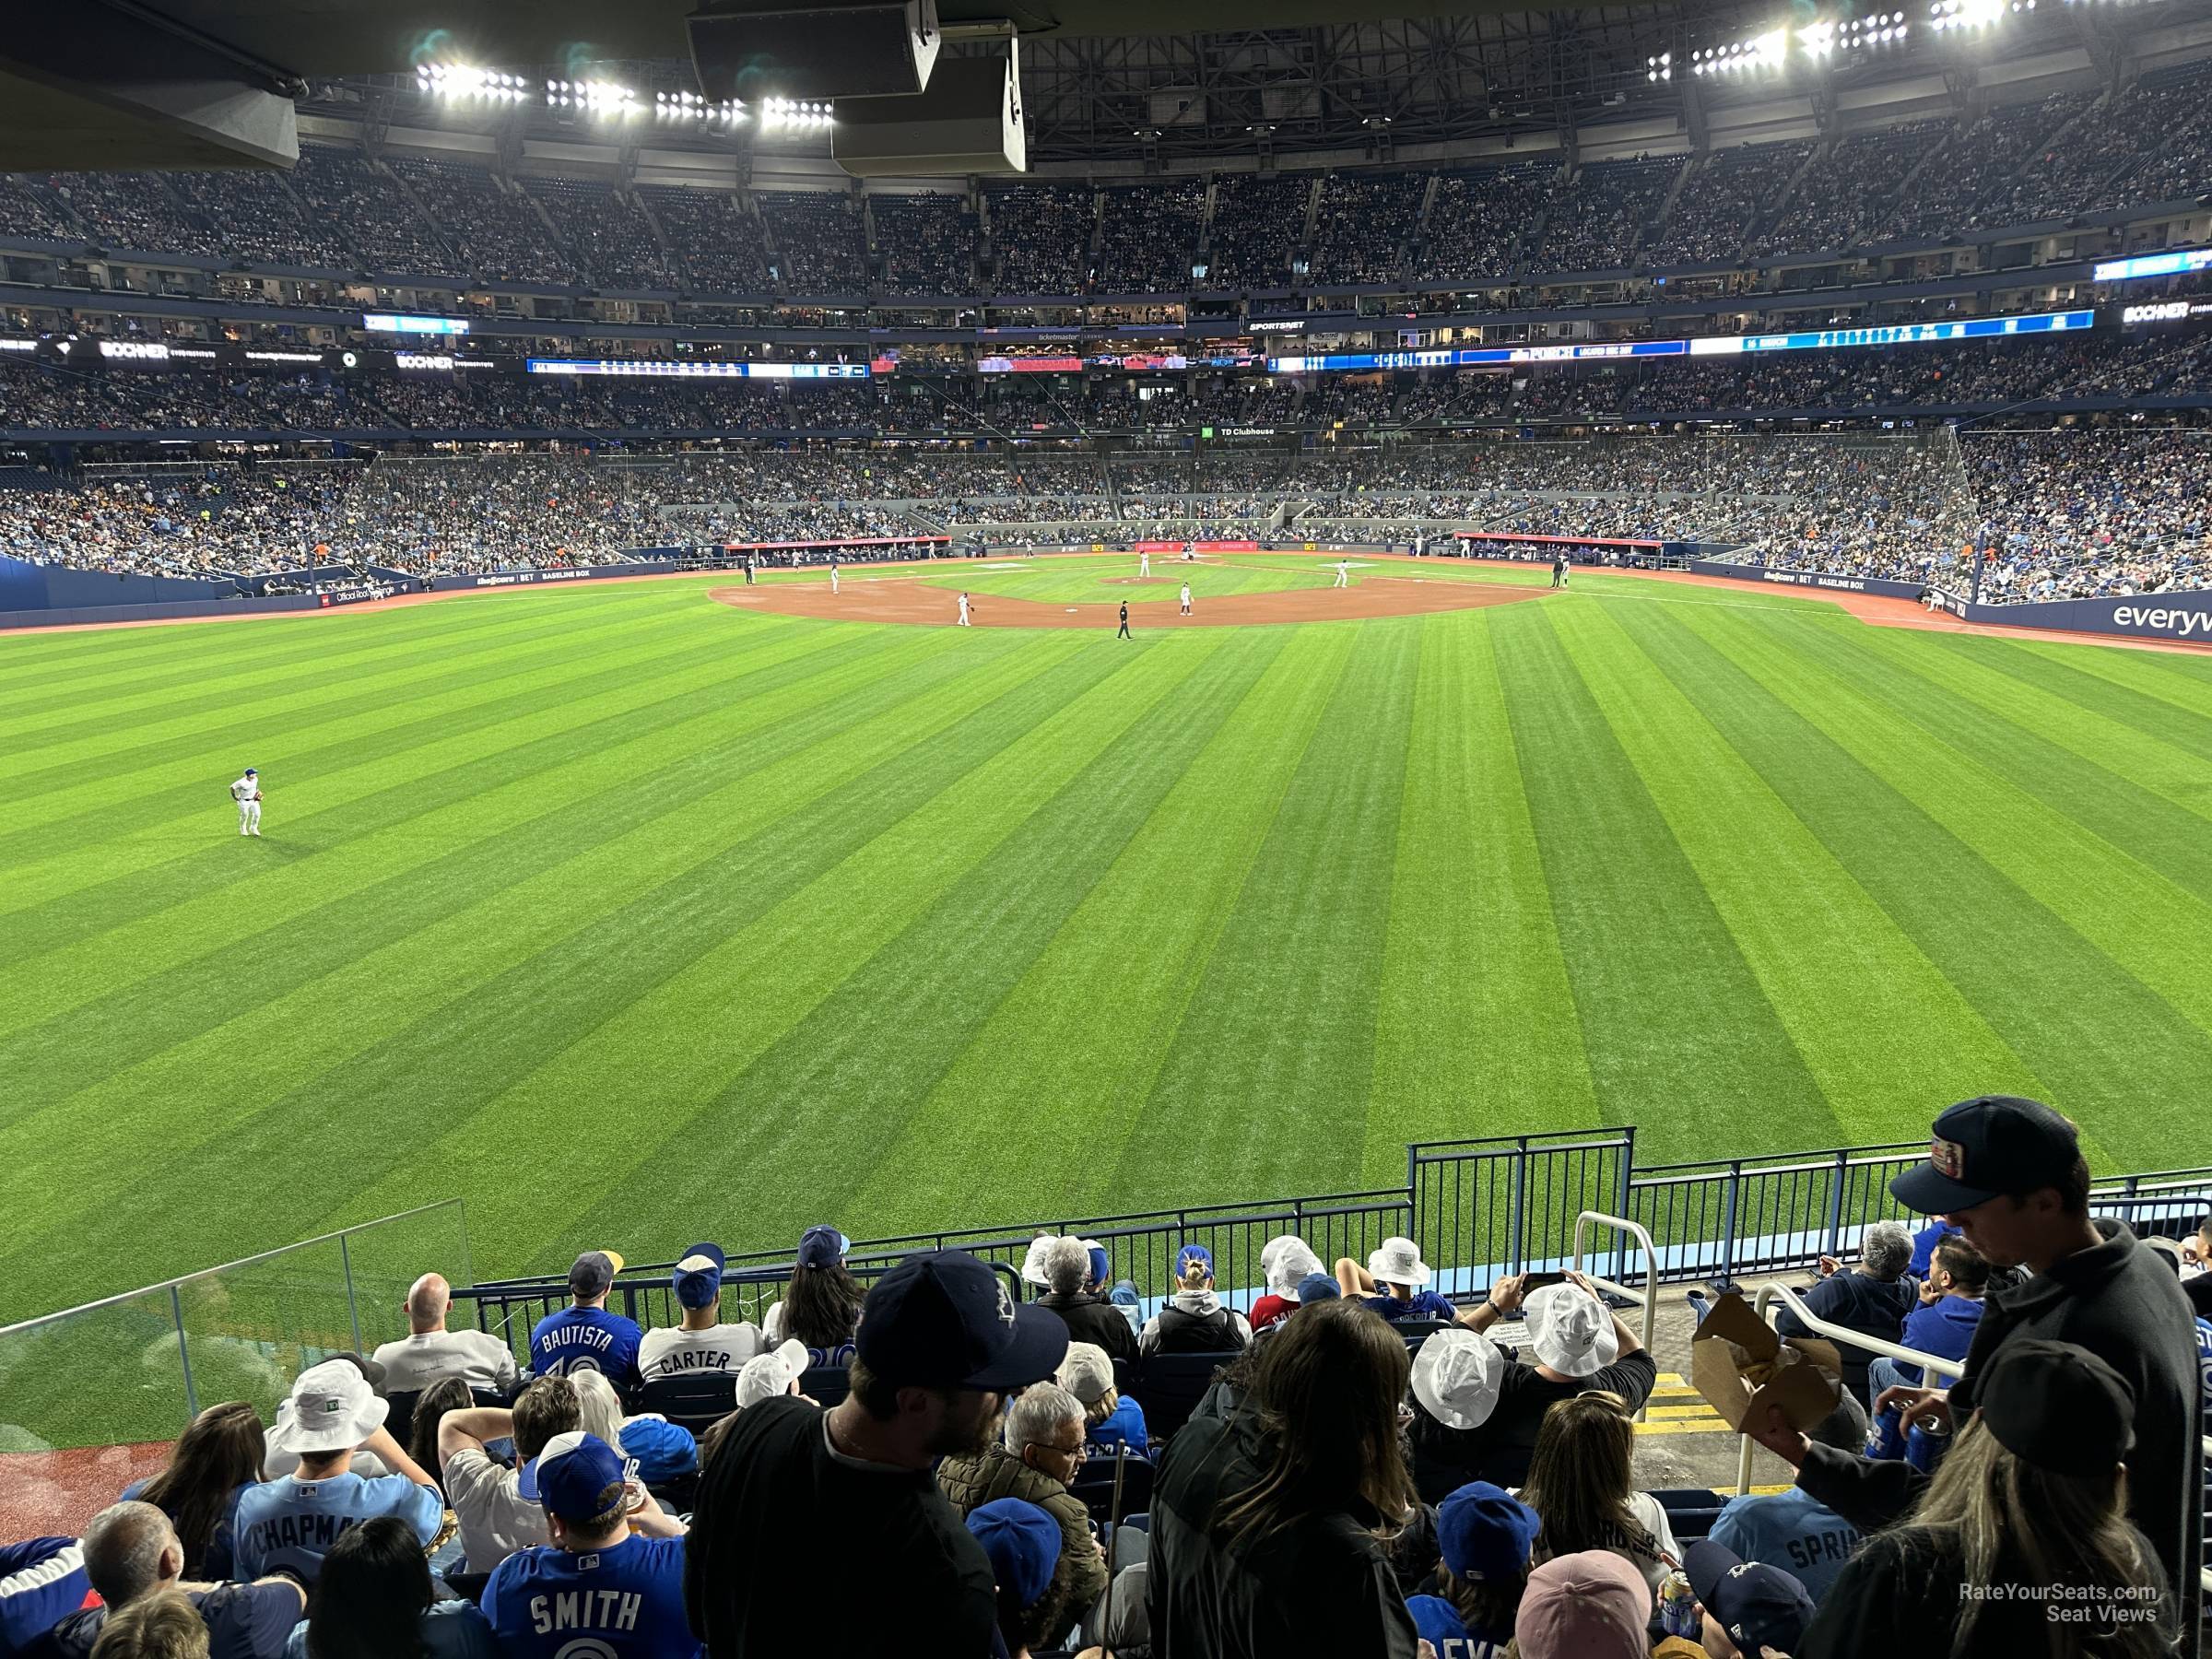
632,918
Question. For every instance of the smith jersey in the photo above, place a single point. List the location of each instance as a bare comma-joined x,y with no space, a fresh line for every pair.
624,1602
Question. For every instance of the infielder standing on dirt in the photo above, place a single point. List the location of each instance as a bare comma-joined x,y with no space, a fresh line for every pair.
1144,563
1344,574
964,622
246,791
833,576
1186,598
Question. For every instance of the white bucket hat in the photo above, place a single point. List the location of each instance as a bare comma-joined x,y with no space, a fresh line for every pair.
1032,1261
767,1375
1398,1262
1286,1260
1570,1330
1456,1377
332,1408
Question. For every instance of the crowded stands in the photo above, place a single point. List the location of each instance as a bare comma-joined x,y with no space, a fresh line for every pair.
1077,1469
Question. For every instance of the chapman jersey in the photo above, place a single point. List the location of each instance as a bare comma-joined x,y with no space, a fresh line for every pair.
289,1525
578,1339
623,1602
243,790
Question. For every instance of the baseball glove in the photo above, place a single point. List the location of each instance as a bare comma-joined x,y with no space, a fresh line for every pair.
257,795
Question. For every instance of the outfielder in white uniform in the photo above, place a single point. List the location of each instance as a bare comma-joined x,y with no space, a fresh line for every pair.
246,791
1144,564
964,622
1344,574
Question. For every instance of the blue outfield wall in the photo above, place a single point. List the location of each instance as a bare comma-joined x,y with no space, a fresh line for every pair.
1812,579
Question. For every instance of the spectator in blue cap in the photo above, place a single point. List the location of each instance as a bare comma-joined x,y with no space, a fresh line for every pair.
1023,1544
793,1500
1484,1534
584,1336
1193,1321
701,1344
1791,1529
597,1588
821,1304
1750,1608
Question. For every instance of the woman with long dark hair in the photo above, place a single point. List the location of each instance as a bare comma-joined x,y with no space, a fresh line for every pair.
1290,1474
2030,1508
374,1600
217,1457
450,1393
1582,1486
821,1304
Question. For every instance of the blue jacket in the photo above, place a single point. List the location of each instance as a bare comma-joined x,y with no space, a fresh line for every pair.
1124,1427
1944,1328
41,1582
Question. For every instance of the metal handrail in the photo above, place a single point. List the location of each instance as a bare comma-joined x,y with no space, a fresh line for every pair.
163,1287
1642,1299
1929,1363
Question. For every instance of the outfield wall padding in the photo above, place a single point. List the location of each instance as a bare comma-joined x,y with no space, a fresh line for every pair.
1830,580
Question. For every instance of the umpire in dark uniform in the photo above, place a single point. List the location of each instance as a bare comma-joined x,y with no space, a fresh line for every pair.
1125,632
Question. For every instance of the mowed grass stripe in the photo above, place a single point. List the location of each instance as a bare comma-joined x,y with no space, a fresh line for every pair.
353,895
2136,742
1831,963
851,1072
140,705
1677,1033
1474,982
2174,679
1276,1052
2126,912
832,956
721,962
369,789
546,958
2083,1029
132,787
1089,1024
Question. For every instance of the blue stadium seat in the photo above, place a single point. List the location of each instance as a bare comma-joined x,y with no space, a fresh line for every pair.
696,1402
826,1385
1173,1385
1690,1510
1094,1485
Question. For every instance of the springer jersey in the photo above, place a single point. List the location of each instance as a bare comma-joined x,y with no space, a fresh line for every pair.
623,1602
243,789
579,1339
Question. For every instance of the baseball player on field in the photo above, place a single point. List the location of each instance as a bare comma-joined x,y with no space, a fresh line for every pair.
833,576
964,622
1187,599
1344,574
246,791
1144,562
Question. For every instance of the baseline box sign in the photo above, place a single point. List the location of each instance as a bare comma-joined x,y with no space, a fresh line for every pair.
500,579
1197,547
1830,580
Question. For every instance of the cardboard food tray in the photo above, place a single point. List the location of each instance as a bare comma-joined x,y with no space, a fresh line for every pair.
1806,1392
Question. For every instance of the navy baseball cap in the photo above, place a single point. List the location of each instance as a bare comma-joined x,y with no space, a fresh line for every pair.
1194,1252
1987,1145
593,1273
697,1280
943,1320
252,774
579,1476
1023,1542
1318,1287
2057,1406
1758,1606
823,1247
1484,1532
